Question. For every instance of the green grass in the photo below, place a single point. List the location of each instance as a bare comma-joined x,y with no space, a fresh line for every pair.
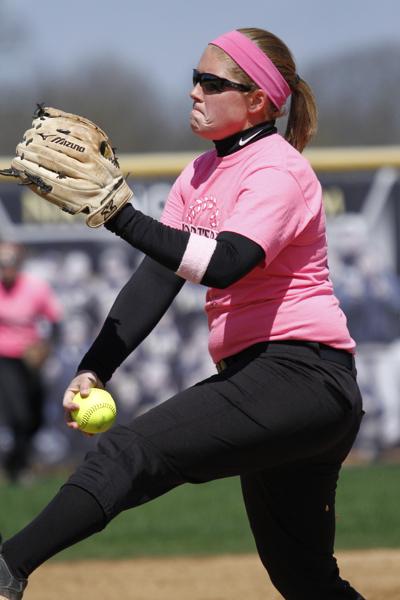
210,518
367,507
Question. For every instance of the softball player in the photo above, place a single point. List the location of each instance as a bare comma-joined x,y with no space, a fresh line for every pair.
246,220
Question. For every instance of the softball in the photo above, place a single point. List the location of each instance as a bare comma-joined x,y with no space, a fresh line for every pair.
96,412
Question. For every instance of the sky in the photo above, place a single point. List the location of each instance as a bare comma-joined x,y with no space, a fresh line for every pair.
165,38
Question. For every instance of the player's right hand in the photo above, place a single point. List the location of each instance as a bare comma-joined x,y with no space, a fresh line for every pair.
83,382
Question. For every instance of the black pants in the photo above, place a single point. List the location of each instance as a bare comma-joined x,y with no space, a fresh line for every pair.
280,417
21,409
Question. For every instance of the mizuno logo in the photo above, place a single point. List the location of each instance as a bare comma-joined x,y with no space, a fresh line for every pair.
108,208
56,139
243,142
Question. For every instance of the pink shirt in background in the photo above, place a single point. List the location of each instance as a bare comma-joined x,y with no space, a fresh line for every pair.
21,309
268,192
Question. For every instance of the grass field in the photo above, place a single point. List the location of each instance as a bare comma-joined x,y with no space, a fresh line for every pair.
210,519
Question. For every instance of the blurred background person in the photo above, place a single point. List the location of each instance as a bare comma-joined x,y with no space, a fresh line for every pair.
29,315
368,288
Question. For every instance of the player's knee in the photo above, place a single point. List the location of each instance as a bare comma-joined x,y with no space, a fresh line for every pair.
124,471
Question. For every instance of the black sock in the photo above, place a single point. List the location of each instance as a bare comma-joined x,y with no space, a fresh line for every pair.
72,515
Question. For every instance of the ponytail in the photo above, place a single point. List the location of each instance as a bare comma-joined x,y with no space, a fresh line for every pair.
302,119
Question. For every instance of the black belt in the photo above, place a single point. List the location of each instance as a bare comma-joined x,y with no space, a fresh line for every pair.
342,357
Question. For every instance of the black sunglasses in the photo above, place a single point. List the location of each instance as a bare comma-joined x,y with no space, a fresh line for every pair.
212,84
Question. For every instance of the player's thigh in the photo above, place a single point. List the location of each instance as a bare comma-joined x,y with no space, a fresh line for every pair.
194,437
262,415
241,421
202,434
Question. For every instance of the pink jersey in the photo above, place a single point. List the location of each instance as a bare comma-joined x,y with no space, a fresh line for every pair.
268,192
21,308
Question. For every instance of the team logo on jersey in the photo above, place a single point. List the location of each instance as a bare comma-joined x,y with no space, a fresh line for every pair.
208,205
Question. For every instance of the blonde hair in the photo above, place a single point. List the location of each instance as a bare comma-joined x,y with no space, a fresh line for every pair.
302,119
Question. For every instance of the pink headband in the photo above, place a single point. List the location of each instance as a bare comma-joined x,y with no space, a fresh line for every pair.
256,64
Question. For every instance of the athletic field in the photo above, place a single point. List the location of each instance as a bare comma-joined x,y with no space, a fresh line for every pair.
194,543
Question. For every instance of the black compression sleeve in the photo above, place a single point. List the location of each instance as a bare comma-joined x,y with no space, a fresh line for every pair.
235,255
136,311
165,244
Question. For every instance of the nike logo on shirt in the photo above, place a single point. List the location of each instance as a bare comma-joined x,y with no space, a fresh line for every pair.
238,140
242,141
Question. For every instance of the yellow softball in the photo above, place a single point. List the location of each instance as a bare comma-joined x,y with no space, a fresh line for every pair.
96,412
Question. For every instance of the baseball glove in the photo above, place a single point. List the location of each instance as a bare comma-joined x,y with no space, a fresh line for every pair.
69,161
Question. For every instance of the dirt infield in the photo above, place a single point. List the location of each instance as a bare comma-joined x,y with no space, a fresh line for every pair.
375,573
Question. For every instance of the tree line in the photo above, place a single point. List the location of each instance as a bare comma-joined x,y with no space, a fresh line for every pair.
357,95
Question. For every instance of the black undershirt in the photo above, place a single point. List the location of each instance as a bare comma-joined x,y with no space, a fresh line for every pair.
152,288
237,141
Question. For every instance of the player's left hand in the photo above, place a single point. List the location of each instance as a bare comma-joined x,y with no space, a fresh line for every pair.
69,161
